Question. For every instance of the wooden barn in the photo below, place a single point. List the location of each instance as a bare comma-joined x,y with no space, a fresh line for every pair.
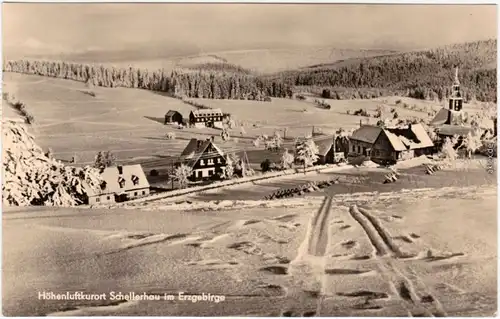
120,183
206,118
173,116
204,158
389,145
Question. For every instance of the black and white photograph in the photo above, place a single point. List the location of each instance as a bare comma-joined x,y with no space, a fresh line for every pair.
249,159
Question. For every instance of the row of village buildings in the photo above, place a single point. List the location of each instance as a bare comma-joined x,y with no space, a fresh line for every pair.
379,144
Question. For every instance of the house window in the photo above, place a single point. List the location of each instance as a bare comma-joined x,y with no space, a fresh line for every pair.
135,179
210,172
200,174
210,161
202,162
121,182
97,200
135,193
143,192
359,149
108,198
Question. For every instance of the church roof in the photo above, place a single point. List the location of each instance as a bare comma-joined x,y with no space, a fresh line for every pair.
442,117
451,130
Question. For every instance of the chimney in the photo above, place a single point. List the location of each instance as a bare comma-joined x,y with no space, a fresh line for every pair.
198,144
120,169
360,123
212,138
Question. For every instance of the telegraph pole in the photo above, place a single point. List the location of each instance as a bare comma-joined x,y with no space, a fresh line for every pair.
334,145
172,175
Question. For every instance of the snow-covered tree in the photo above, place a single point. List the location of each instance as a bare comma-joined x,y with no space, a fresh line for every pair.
229,172
448,153
382,112
307,152
278,140
224,135
256,142
103,160
430,131
287,160
31,178
471,143
181,175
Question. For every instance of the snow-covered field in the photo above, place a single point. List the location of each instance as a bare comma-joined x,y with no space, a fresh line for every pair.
412,252
129,122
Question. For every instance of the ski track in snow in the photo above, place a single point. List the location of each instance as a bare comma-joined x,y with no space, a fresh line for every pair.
416,297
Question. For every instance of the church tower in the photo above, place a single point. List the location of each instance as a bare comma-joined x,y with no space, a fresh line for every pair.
456,100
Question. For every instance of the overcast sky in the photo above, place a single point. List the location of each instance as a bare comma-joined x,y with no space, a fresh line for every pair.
47,28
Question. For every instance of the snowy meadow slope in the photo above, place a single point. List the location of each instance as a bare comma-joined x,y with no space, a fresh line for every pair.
359,254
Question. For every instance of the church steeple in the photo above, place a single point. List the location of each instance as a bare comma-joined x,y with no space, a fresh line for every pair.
457,82
456,100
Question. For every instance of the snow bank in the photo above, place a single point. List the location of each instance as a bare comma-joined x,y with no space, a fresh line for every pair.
413,162
229,204
239,181
369,164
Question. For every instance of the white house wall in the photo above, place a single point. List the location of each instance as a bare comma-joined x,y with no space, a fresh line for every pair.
205,172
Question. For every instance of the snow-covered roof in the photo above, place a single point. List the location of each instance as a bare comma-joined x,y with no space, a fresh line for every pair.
366,133
207,112
130,176
171,113
401,139
324,145
195,149
450,130
395,140
442,116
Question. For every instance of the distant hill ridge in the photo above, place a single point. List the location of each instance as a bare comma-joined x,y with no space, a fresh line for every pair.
421,74
424,74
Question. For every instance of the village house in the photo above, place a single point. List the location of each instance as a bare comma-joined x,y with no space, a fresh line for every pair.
120,183
326,154
204,158
206,118
389,145
173,116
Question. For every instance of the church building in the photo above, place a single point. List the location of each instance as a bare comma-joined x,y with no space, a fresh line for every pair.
452,114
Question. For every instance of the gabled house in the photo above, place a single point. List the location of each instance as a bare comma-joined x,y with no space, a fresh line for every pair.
206,118
389,145
173,116
326,154
120,183
205,158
